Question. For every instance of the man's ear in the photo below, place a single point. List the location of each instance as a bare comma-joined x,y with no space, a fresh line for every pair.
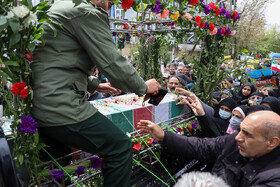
273,142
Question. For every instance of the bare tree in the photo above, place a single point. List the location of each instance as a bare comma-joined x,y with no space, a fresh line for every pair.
251,27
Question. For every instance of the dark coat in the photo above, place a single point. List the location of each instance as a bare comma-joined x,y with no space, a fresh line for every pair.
212,126
223,152
240,94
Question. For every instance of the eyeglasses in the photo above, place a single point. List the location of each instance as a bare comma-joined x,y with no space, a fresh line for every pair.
256,97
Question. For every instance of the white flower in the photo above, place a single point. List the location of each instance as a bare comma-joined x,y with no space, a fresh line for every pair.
20,27
31,19
20,11
10,15
37,41
128,134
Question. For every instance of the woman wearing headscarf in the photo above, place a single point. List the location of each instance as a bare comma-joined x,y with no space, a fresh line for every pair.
213,122
254,99
238,115
273,103
245,91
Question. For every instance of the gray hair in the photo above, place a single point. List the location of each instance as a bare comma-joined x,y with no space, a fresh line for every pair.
271,128
200,179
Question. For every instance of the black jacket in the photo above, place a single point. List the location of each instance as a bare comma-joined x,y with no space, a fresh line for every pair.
212,126
223,152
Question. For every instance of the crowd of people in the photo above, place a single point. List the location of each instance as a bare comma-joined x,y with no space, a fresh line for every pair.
241,133
244,125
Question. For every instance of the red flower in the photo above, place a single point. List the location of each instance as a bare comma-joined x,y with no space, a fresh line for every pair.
24,93
181,129
18,87
125,26
193,2
172,27
235,14
223,30
202,25
28,56
150,141
136,147
133,27
218,11
213,6
211,27
127,4
197,20
190,127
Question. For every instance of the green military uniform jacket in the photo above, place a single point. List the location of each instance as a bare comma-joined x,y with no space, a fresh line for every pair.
61,68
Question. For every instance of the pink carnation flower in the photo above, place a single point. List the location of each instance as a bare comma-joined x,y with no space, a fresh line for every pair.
233,33
188,16
214,31
164,13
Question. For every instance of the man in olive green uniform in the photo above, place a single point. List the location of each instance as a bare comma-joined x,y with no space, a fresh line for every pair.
61,69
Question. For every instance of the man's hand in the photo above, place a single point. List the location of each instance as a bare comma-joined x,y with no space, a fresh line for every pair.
153,129
153,87
182,91
108,88
263,90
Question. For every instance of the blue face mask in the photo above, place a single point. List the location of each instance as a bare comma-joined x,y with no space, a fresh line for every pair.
258,102
235,122
224,114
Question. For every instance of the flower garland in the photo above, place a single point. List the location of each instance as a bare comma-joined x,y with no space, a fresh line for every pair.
142,143
21,31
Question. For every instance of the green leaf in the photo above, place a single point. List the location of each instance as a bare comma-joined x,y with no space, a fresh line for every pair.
77,2
15,38
44,8
27,3
36,138
14,24
11,63
2,27
3,20
20,159
116,2
2,74
146,1
31,46
53,29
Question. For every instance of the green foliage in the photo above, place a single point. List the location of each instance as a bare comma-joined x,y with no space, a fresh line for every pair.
20,32
148,64
207,67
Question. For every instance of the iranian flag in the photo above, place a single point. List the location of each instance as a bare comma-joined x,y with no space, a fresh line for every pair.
275,66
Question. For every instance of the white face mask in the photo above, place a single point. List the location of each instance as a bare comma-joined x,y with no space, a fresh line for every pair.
224,114
235,123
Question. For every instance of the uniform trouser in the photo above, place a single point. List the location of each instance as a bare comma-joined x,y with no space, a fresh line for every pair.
98,135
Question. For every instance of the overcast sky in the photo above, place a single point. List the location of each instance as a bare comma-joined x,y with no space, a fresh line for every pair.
272,13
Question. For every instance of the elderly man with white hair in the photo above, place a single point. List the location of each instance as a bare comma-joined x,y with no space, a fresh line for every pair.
249,158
